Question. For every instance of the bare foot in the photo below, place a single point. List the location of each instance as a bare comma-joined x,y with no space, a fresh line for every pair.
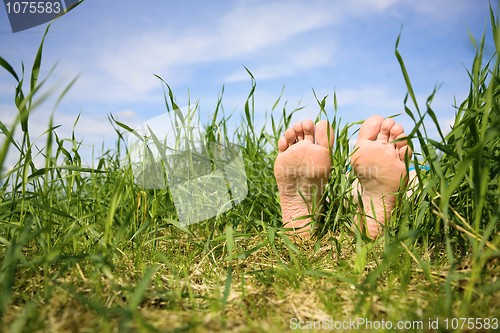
380,168
302,165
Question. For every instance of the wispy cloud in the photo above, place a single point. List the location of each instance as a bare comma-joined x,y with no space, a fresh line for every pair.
125,114
128,63
293,60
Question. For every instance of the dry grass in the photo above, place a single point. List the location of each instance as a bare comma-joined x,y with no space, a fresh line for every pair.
263,302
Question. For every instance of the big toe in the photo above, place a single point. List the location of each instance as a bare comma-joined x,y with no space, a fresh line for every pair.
370,128
324,134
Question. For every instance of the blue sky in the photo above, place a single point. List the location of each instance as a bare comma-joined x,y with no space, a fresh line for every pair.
342,46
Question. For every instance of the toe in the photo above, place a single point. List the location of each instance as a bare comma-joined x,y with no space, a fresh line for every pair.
406,150
396,130
402,143
290,136
370,128
403,148
324,134
385,129
308,127
299,132
282,144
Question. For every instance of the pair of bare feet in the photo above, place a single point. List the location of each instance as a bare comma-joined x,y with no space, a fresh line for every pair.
303,167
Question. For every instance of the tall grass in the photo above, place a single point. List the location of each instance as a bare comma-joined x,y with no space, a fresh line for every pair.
85,248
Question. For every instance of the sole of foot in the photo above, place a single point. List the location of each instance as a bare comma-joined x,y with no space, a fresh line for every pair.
380,168
303,166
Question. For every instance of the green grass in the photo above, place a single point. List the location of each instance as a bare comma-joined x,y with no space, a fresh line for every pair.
85,249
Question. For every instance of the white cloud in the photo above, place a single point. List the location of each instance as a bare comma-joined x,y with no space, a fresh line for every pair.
378,4
93,129
251,28
443,9
262,73
268,28
371,96
296,60
123,69
125,114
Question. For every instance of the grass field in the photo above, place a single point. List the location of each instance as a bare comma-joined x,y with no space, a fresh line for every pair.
85,249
